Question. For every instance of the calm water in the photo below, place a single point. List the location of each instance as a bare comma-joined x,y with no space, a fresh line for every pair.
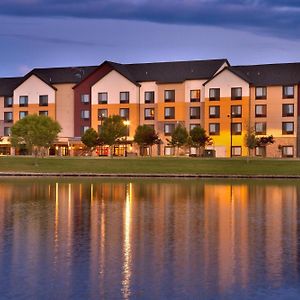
148,239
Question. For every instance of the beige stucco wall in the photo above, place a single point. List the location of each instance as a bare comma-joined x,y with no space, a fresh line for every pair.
65,108
114,83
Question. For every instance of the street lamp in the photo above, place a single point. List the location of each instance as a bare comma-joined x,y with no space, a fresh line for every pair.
126,123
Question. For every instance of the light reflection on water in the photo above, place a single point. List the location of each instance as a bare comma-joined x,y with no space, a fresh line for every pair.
147,239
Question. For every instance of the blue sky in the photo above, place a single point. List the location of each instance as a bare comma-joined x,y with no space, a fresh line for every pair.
43,33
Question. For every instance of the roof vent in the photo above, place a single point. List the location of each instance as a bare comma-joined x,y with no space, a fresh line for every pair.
258,73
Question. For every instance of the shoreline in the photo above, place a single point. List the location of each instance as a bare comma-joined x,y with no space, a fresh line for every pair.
146,175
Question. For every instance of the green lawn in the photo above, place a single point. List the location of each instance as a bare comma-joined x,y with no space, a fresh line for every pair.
152,165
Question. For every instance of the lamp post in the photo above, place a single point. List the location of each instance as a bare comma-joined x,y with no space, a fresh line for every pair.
126,123
230,116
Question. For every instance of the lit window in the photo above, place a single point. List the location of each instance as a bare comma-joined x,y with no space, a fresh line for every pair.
124,97
169,112
43,100
236,111
85,98
260,92
102,113
195,95
288,91
236,93
23,101
214,128
149,97
149,113
102,98
287,110
214,111
287,127
214,94
170,96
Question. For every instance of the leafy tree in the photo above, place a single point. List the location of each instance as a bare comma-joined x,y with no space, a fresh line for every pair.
111,132
179,137
250,140
145,136
36,132
199,139
265,141
90,139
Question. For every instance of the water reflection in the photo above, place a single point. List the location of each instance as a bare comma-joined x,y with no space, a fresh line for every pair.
148,239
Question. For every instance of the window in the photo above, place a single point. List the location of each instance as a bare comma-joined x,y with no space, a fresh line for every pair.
102,113
170,96
236,93
149,113
287,127
260,128
287,110
149,97
236,128
236,111
43,101
85,98
124,97
214,94
8,101
194,112
260,111
169,112
43,112
236,150
195,95
169,128
260,92
214,111
287,151
6,131
102,98
288,91
192,126
124,113
260,151
169,150
83,129
23,101
23,114
85,114
8,117
214,128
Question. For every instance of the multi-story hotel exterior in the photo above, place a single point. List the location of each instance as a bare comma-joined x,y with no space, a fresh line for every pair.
227,101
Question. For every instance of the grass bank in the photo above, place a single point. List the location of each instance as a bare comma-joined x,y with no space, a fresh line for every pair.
169,165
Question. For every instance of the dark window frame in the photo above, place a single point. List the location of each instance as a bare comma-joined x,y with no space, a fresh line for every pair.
102,101
152,98
43,102
25,104
263,115
217,96
217,115
233,115
234,97
124,101
198,99
214,132
169,133
264,128
127,115
236,132
284,131
286,96
151,117
172,99
8,104
10,120
288,114
172,115
198,115
264,95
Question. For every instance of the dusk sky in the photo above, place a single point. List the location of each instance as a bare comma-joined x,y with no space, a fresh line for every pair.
48,33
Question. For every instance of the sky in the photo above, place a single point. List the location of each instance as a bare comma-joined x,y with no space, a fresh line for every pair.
53,33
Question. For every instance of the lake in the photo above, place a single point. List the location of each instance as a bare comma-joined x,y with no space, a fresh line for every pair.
149,239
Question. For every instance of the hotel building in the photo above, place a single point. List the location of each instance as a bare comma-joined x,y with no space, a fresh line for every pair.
226,100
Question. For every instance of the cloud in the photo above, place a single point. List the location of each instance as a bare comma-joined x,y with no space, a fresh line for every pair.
274,17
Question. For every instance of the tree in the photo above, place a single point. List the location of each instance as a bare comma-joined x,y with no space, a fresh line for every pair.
199,139
179,137
36,132
250,140
111,131
265,141
90,139
145,136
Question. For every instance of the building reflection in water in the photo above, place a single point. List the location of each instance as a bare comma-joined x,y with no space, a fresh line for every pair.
120,239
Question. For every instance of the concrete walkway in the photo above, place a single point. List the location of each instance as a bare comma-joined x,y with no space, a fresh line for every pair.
144,175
